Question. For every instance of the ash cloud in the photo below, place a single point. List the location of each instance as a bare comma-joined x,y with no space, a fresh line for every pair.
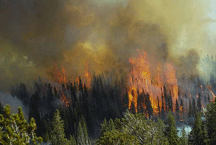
37,34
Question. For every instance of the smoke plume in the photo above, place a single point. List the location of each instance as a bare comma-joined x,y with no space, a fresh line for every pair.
36,35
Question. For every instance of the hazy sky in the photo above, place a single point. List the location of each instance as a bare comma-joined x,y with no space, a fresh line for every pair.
211,29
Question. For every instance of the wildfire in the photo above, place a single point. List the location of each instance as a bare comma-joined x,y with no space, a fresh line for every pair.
142,80
87,76
57,75
64,100
213,95
171,82
139,78
60,77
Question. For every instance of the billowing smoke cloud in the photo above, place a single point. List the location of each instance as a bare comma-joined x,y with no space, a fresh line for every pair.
37,34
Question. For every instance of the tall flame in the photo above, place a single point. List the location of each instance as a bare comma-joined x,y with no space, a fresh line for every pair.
213,95
87,75
171,82
141,79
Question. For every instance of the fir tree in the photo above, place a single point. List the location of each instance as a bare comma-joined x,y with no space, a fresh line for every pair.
211,121
35,112
194,107
57,134
125,101
72,140
170,131
197,135
199,103
162,139
148,105
133,110
163,115
82,134
177,110
23,94
159,111
107,126
183,138
190,112
1,109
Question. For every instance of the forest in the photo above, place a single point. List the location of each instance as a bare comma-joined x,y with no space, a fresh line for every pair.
72,113
107,72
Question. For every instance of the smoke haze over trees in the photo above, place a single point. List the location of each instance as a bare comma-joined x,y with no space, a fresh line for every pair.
36,35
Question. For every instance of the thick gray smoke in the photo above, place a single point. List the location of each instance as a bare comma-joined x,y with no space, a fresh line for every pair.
36,35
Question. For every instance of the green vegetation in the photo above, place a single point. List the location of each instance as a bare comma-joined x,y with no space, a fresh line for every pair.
99,115
15,130
131,129
171,132
198,135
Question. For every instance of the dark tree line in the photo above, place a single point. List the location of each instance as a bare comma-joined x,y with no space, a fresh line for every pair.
92,105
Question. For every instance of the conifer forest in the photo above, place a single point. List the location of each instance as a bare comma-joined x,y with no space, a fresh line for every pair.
107,72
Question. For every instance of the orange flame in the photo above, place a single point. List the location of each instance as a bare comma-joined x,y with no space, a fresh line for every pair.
171,82
57,75
213,95
140,78
60,77
87,76
64,100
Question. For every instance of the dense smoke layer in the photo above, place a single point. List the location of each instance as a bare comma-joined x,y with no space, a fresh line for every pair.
36,35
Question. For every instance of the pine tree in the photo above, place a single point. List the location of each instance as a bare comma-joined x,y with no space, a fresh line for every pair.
133,109
183,138
162,139
199,103
148,105
35,112
139,126
163,115
72,140
116,137
197,135
57,134
125,101
190,112
177,110
171,131
82,134
159,111
194,107
1,109
23,94
107,126
211,122
16,130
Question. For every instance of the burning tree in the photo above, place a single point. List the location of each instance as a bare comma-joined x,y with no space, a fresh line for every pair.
162,83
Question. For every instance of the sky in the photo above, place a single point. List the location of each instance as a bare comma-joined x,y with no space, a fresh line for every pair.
212,13
211,29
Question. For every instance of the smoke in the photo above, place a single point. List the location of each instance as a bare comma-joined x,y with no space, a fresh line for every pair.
14,103
38,34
